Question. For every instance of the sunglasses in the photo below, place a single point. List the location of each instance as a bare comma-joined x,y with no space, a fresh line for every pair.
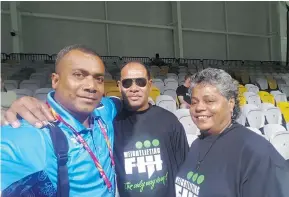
127,83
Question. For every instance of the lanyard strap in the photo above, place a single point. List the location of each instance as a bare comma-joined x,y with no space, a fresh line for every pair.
80,139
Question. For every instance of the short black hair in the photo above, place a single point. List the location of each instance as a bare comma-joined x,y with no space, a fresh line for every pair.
138,62
79,47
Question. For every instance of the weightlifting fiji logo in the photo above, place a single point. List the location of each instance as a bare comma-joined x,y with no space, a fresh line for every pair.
147,159
189,187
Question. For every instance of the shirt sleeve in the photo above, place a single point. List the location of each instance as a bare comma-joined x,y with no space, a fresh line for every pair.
117,102
180,91
268,177
180,143
22,154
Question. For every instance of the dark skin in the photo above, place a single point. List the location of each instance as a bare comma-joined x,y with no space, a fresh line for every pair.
37,113
135,97
210,110
78,84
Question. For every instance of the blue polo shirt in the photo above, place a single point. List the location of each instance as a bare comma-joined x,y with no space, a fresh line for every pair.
29,165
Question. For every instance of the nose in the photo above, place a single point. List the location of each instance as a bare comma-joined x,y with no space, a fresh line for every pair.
200,106
90,85
134,87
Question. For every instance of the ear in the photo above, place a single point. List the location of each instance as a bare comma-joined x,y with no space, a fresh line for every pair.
119,86
54,80
150,82
232,104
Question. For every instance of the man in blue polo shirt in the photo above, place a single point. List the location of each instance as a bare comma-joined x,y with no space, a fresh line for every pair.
28,161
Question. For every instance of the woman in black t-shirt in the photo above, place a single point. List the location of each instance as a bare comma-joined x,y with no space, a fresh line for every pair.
227,160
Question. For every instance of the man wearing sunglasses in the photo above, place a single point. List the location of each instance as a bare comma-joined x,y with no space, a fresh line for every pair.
150,143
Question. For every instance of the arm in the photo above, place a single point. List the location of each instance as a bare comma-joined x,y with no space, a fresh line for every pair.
182,101
30,109
180,94
180,143
19,157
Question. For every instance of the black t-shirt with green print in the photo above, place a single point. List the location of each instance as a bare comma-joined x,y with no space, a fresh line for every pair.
150,146
240,163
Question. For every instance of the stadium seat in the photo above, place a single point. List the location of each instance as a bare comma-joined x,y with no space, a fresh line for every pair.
171,92
242,100
10,84
159,84
279,96
262,83
266,97
154,93
172,76
285,89
272,114
252,88
7,98
23,92
31,84
113,91
41,93
166,102
280,140
242,89
271,129
252,98
191,129
172,83
245,78
272,83
252,116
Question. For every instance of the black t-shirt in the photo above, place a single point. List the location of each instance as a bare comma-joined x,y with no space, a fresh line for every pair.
240,164
150,146
184,91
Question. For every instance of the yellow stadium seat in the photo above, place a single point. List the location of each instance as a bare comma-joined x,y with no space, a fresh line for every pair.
155,92
272,83
110,82
242,89
284,107
242,100
266,97
113,91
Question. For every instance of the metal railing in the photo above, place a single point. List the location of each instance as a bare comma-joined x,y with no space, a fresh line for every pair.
147,60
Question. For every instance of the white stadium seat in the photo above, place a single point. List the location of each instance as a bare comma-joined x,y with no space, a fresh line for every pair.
10,84
31,84
280,140
252,116
191,129
271,129
252,88
171,92
166,102
41,93
23,92
252,98
279,96
272,114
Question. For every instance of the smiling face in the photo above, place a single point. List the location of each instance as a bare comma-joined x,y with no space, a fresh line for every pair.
210,110
135,86
79,82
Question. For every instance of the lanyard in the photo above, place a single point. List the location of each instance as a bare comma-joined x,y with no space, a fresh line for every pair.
80,139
